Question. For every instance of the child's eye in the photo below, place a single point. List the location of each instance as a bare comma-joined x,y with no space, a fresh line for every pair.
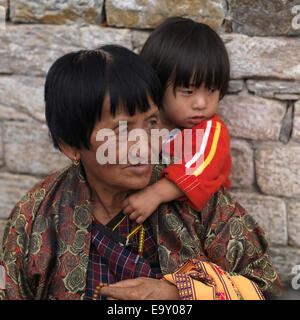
187,91
212,90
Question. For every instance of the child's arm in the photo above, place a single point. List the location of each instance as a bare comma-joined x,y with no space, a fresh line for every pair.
140,205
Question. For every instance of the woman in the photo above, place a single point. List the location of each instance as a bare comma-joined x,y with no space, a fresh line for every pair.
67,236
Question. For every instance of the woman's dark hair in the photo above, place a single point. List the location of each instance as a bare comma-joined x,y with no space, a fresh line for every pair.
180,48
78,82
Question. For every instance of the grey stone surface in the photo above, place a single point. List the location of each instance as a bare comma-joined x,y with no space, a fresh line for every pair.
285,259
56,12
235,86
252,117
242,164
278,169
260,17
2,227
283,90
138,38
12,188
28,149
293,218
32,49
28,98
1,147
10,113
142,14
263,57
296,123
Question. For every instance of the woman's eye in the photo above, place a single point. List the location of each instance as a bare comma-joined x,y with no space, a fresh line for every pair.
153,123
211,90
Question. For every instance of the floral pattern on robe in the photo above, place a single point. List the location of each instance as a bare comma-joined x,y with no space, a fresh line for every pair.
47,239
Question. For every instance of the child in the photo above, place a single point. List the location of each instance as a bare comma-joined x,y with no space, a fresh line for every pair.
193,66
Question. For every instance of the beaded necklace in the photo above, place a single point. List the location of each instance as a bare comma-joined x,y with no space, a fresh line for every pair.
141,241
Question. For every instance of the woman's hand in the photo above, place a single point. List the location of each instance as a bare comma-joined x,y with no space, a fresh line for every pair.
141,289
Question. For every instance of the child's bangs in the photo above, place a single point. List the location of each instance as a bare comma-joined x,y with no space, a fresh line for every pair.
204,69
202,59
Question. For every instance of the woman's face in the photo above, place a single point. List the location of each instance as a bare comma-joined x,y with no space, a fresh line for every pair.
121,173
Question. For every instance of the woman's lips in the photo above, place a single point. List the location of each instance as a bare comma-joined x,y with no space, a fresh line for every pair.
138,167
196,120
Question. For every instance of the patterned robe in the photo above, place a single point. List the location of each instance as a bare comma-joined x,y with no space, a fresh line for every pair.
47,239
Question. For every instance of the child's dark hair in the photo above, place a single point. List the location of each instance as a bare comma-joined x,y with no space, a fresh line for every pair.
78,82
180,48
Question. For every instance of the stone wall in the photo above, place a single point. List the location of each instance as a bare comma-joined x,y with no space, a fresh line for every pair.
262,109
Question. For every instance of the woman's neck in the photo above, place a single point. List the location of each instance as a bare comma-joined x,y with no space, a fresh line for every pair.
107,202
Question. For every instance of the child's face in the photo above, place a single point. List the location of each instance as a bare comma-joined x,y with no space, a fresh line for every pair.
189,106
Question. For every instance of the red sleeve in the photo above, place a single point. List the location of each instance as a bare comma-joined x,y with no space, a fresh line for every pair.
204,165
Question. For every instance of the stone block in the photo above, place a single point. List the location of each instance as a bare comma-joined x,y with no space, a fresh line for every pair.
32,49
263,18
1,147
29,98
235,86
28,149
144,14
283,90
4,3
270,57
296,123
2,227
56,12
269,212
278,169
293,215
4,8
252,117
13,187
242,164
138,38
9,113
285,259
287,124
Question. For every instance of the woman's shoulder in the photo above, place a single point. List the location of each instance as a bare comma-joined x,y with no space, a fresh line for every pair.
27,204
49,181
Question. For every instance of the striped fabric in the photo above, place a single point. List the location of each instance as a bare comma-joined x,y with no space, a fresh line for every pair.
202,280
111,261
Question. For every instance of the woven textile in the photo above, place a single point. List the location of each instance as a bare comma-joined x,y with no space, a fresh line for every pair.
111,261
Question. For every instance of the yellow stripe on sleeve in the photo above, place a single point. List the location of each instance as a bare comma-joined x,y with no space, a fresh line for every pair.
212,152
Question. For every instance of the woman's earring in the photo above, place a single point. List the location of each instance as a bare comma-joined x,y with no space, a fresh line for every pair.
76,162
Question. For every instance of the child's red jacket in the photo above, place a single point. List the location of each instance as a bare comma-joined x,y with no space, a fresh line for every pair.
200,170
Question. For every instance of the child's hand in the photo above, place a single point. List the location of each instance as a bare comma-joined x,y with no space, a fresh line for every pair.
140,205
